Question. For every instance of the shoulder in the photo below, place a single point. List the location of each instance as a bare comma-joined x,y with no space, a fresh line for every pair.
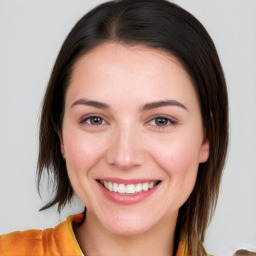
21,243
60,240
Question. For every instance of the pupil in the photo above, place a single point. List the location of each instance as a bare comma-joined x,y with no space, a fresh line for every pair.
161,121
96,120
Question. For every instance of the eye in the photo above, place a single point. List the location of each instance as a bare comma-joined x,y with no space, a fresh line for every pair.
93,120
162,121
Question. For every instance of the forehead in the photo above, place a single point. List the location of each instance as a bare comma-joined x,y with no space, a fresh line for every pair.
128,54
114,68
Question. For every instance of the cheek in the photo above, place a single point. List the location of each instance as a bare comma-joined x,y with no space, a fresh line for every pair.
179,160
177,157
82,152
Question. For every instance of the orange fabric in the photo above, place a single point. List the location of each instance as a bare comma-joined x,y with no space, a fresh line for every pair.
49,242
58,241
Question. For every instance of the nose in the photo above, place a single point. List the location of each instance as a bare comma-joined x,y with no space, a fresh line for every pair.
125,150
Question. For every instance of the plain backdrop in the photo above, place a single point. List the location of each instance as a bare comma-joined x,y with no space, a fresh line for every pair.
31,33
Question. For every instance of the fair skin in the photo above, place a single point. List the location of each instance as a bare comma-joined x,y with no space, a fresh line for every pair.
132,117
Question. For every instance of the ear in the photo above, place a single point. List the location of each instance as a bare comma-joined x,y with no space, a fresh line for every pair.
204,151
61,143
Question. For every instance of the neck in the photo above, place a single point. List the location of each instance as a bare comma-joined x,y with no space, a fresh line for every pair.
96,240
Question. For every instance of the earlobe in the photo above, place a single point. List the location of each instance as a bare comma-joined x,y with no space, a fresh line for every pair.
204,151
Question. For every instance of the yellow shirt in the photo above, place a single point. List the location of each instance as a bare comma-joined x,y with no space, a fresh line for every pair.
58,241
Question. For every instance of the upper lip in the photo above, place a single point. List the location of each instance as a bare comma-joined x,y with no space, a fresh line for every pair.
126,181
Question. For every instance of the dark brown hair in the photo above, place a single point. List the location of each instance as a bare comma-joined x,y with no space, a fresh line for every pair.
161,25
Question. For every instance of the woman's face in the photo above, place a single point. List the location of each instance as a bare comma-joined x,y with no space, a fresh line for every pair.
132,136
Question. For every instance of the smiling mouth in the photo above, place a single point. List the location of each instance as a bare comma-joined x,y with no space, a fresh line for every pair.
130,189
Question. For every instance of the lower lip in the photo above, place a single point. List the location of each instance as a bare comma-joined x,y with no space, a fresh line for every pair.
127,199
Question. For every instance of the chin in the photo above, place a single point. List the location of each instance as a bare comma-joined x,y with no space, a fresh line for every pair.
129,225
128,230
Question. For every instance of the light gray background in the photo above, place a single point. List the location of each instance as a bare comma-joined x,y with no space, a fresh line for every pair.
31,33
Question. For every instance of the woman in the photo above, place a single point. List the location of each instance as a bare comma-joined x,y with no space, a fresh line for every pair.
135,123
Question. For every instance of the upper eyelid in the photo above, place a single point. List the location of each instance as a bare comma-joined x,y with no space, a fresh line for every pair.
172,119
85,117
171,122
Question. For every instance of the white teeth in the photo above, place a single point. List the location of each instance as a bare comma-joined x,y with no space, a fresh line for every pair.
151,185
128,189
121,189
145,186
115,187
138,187
110,186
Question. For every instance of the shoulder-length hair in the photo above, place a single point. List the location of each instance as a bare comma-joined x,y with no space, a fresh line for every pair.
161,25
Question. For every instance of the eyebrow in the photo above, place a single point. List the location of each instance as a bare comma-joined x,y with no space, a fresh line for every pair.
92,103
148,106
162,103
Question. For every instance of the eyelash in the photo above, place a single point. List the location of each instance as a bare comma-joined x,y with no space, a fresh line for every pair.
169,121
90,117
